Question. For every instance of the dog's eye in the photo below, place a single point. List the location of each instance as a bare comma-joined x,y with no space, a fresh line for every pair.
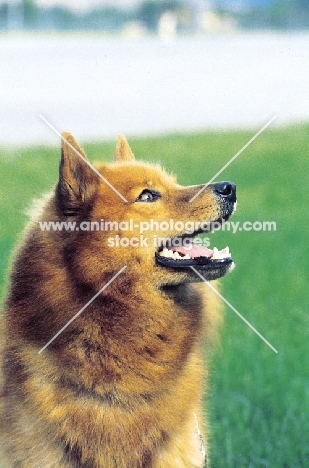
148,196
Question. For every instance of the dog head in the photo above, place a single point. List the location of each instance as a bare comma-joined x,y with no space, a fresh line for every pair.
134,214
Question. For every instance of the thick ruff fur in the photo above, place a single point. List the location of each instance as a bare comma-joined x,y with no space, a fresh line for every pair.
121,386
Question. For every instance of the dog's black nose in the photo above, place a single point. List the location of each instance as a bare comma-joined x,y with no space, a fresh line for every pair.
226,189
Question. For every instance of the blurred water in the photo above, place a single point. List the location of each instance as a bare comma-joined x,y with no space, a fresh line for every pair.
99,86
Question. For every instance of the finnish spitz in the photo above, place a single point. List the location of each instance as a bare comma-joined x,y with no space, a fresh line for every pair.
104,328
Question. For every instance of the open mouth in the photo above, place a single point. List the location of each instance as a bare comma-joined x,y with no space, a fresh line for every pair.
190,253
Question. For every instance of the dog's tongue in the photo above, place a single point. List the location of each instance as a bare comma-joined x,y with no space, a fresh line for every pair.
194,250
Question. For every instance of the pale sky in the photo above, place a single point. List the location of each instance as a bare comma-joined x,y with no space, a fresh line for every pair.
84,4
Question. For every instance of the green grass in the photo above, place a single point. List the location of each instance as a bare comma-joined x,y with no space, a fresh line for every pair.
259,400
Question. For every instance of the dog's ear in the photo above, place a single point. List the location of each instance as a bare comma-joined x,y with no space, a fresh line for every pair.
123,150
77,180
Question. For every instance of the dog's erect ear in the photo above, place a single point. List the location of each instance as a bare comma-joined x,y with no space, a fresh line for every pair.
123,150
77,180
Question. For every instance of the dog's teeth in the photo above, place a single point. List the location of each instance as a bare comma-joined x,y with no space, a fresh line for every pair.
166,253
219,255
215,254
174,255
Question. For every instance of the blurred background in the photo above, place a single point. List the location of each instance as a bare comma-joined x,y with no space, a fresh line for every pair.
189,82
148,66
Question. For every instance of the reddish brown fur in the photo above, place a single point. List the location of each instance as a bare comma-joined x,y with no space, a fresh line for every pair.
122,385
